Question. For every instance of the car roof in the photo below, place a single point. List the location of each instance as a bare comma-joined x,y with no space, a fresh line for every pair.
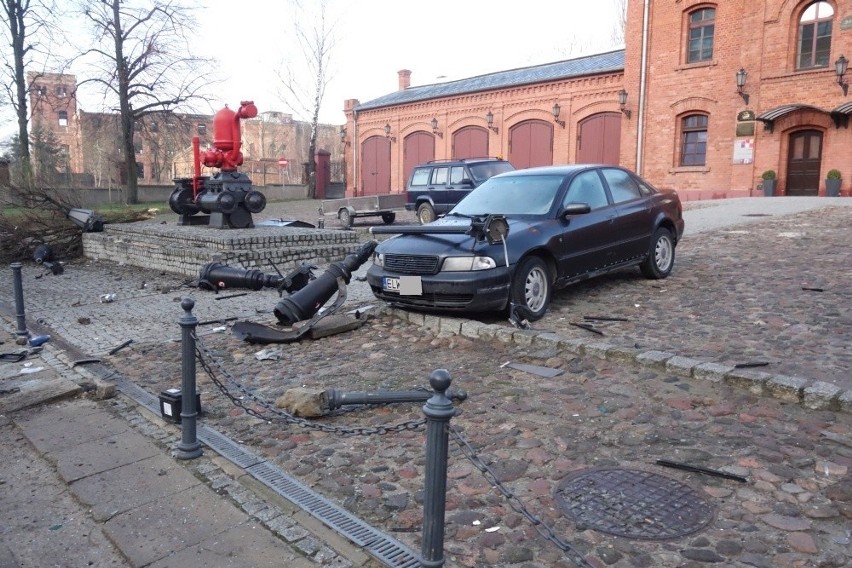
564,169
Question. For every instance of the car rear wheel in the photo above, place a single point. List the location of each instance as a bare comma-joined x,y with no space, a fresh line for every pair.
661,255
425,213
531,289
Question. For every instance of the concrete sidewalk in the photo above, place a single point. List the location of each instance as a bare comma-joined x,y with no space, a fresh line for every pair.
104,472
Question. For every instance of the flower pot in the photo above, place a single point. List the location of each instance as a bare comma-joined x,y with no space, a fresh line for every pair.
832,187
769,187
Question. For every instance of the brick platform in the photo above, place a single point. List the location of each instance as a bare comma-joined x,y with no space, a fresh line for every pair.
183,249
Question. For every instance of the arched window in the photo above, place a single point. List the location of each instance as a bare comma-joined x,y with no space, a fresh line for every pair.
814,47
702,25
693,140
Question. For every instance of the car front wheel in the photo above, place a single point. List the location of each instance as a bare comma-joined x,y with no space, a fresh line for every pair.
531,289
661,256
425,213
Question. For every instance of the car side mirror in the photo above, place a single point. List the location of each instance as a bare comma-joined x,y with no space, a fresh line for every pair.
575,208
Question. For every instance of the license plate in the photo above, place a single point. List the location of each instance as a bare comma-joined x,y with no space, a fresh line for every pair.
405,285
390,284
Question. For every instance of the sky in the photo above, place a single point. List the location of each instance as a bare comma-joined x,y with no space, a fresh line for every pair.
437,40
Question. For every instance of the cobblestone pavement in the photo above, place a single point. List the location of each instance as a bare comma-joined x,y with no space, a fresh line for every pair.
736,296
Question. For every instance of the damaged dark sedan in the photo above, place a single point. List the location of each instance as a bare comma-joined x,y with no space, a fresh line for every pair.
523,234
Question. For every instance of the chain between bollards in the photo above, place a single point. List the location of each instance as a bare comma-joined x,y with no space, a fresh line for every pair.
438,410
189,447
17,284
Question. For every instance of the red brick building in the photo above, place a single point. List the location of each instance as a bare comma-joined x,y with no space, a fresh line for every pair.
704,98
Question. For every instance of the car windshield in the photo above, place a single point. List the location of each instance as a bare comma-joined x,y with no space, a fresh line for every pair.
485,170
511,195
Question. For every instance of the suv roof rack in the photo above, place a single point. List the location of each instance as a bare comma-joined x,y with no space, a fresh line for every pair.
447,160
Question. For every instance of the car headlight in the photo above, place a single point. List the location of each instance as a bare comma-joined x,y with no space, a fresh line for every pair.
379,259
467,263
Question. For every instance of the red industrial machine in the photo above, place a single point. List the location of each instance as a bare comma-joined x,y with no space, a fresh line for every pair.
227,198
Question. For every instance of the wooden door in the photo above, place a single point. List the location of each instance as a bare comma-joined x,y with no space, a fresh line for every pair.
599,139
803,162
375,165
531,144
470,142
419,148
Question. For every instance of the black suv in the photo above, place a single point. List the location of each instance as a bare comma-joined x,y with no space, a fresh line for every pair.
436,186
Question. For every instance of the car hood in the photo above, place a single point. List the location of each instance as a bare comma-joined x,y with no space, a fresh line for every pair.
441,244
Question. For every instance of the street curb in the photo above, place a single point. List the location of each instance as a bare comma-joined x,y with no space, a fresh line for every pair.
808,393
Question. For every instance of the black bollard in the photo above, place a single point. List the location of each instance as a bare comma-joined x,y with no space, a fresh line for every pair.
189,447
18,286
438,410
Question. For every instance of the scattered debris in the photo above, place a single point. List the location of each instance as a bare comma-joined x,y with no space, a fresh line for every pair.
696,469
12,390
107,298
85,362
237,295
603,318
118,348
37,340
29,370
268,354
547,372
752,364
84,321
808,289
587,327
219,321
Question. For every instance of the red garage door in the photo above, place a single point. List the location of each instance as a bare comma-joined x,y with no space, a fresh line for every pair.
599,139
375,165
531,144
419,148
470,142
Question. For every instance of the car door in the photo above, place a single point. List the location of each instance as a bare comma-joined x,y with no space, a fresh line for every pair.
438,188
588,238
635,218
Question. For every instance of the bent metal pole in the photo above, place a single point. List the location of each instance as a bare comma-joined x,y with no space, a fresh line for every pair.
18,286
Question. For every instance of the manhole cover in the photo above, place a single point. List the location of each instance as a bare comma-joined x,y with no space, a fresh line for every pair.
632,503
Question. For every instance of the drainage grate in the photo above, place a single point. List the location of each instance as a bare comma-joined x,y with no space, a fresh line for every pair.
226,447
633,503
379,545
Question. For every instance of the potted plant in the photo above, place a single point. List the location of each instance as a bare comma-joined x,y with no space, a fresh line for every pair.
832,183
769,180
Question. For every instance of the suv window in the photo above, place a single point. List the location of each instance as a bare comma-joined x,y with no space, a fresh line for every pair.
420,176
485,170
457,175
440,175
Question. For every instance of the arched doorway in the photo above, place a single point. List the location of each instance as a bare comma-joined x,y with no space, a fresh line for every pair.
419,148
375,165
803,162
470,142
531,144
599,139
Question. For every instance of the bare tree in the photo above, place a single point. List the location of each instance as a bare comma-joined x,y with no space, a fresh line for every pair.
304,84
142,61
619,28
24,21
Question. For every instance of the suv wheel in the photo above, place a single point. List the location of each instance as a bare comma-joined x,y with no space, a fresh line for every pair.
425,213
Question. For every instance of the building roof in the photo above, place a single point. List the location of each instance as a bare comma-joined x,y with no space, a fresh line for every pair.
589,65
